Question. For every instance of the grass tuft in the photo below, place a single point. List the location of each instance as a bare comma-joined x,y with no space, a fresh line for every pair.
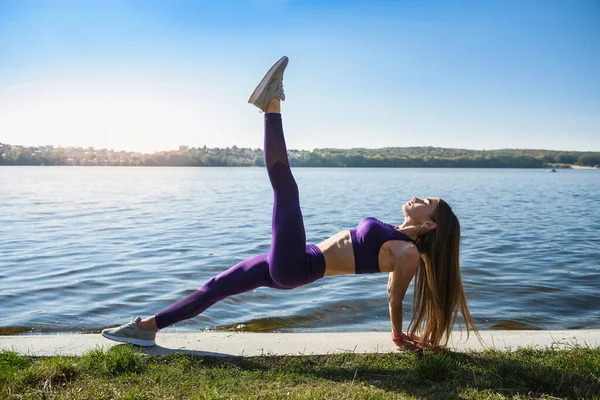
50,372
117,360
437,367
11,364
12,360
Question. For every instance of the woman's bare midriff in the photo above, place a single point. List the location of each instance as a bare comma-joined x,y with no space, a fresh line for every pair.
339,255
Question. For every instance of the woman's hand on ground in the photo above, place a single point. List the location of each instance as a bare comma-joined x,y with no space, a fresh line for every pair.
409,343
409,346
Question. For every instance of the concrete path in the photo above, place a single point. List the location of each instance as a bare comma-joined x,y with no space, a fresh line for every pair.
256,344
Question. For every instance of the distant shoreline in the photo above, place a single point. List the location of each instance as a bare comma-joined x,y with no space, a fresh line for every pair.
549,167
387,157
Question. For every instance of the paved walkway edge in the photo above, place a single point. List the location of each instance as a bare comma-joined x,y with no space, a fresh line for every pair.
256,344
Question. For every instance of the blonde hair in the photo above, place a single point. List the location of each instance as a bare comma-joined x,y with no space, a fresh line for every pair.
438,289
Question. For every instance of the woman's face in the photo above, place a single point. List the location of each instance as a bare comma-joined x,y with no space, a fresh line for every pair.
420,210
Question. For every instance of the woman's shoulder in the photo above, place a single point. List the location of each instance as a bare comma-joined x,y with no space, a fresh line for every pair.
404,249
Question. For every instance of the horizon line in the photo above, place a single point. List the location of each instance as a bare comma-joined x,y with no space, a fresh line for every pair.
316,148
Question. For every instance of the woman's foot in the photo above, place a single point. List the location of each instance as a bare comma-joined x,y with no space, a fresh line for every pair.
132,333
271,86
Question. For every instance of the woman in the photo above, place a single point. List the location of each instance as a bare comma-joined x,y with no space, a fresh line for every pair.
426,245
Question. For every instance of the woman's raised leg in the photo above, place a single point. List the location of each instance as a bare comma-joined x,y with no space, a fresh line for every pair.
288,240
291,262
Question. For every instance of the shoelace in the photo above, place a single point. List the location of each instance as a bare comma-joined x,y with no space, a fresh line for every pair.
272,85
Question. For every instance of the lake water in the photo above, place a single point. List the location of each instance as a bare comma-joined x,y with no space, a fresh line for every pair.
83,248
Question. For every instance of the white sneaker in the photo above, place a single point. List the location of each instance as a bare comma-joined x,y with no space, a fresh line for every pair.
132,333
270,86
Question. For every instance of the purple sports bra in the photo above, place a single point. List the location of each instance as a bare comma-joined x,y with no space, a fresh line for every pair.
367,238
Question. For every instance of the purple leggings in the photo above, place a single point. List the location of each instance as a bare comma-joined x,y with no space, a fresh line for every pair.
290,262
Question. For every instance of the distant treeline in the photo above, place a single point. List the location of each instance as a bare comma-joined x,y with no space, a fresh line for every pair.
436,157
393,157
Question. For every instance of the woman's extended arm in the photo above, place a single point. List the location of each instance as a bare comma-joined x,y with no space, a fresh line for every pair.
405,262
395,306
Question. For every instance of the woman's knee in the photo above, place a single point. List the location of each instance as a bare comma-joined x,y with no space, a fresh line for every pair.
284,280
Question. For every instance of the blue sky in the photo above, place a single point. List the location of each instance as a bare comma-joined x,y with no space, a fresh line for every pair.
153,75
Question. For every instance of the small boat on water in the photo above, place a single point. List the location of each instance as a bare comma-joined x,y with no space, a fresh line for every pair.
552,170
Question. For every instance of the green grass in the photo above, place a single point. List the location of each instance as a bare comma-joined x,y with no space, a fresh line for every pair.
125,373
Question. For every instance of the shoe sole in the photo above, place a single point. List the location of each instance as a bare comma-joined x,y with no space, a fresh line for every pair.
137,342
261,86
